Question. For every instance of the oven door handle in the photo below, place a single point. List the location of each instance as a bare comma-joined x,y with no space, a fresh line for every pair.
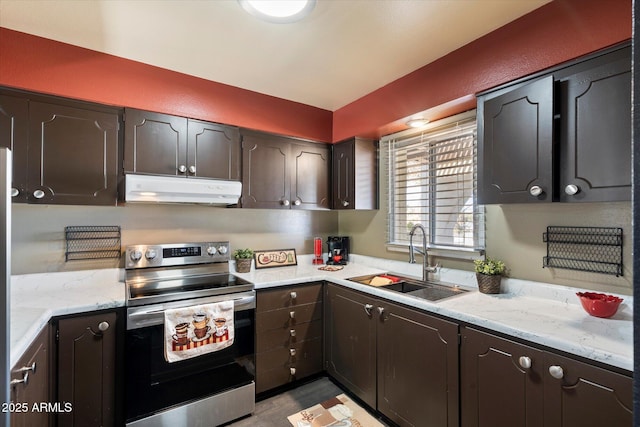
139,317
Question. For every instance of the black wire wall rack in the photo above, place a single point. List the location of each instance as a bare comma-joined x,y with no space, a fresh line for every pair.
92,242
592,249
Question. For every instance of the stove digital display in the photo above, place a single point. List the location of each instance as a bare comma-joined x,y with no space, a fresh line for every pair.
181,252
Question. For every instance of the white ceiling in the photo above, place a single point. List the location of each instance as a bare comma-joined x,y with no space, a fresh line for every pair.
343,51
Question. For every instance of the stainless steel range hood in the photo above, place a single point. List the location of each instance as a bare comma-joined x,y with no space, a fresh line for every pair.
175,189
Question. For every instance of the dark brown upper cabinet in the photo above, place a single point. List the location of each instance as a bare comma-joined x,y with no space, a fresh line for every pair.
284,173
64,151
162,144
355,174
14,134
509,384
563,137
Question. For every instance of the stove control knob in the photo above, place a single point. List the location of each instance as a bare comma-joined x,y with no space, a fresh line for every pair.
223,249
135,255
211,250
151,254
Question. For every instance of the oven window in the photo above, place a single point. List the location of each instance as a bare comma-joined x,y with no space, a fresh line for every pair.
154,384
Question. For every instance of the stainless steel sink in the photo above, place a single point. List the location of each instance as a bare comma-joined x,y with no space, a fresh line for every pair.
429,290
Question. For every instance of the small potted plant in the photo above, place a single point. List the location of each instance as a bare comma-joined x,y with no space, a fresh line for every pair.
243,259
489,273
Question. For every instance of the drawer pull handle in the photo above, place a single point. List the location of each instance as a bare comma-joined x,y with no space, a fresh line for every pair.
292,351
525,362
31,368
293,371
292,332
24,380
292,314
294,295
556,371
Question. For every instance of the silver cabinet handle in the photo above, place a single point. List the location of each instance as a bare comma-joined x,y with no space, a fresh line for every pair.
24,380
345,203
292,370
380,311
536,190
14,192
292,332
31,368
285,202
571,189
525,362
103,326
292,314
38,194
292,351
192,169
182,168
297,202
367,309
293,295
556,371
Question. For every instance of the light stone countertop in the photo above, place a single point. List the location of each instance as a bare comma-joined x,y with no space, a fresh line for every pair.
549,315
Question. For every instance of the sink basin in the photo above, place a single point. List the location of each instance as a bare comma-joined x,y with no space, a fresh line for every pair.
429,290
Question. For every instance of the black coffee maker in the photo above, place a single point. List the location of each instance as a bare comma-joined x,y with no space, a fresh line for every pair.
338,248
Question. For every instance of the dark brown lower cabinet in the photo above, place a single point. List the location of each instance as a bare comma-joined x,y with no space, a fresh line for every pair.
505,383
30,385
401,361
87,368
288,334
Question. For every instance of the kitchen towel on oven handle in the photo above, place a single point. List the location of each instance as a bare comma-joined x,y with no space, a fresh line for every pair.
199,329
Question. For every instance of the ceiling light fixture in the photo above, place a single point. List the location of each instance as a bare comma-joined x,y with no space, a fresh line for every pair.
279,11
417,122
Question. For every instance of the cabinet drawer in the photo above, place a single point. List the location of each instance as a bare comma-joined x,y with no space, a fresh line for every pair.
288,317
291,296
289,336
282,357
278,370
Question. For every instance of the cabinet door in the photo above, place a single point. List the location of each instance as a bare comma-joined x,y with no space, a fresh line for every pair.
596,126
350,341
87,369
36,390
310,176
343,175
14,134
155,143
265,171
515,145
213,151
417,368
73,155
585,395
497,387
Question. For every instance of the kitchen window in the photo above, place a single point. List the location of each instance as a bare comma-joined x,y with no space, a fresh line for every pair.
433,181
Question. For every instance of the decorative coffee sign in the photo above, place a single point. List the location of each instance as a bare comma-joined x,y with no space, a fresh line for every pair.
275,258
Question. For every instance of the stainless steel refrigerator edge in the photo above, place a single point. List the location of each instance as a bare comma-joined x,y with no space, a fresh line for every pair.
5,266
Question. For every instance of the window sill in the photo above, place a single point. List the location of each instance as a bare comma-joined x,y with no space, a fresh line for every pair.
442,251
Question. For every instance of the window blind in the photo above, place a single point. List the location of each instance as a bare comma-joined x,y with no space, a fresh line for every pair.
433,182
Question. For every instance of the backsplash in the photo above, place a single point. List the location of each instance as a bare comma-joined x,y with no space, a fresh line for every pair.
38,243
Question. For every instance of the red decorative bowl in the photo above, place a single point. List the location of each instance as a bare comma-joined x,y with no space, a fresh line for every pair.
599,305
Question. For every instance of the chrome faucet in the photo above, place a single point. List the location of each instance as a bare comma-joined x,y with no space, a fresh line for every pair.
426,268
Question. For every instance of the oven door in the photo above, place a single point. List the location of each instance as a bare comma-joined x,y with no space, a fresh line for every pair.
158,392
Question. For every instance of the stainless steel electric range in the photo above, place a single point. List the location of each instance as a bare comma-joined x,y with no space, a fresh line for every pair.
210,389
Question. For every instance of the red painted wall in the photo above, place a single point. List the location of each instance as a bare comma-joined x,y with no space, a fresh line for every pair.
557,32
42,65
